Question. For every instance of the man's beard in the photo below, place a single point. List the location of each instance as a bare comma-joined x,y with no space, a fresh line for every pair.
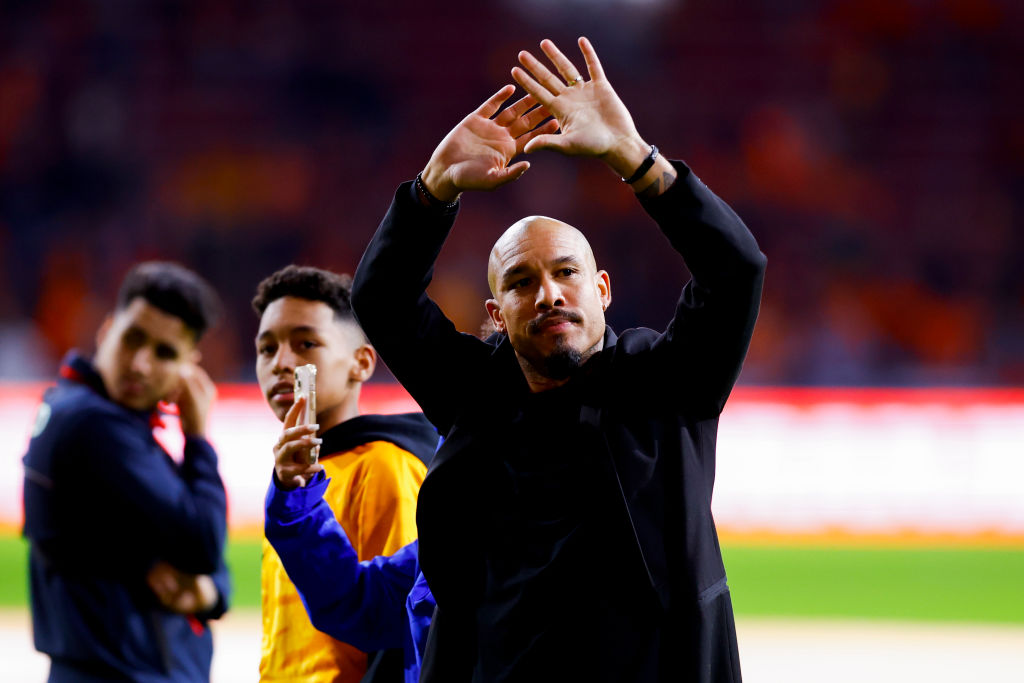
562,363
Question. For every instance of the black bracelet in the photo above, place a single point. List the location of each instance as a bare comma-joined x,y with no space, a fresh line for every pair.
434,201
644,167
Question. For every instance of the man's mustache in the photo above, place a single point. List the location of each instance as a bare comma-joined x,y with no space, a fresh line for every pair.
569,316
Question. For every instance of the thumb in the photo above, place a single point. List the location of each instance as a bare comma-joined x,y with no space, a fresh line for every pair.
510,173
553,141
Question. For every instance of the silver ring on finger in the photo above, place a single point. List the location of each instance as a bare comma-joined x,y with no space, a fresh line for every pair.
576,81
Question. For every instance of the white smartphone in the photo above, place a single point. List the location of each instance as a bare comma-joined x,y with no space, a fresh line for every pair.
305,387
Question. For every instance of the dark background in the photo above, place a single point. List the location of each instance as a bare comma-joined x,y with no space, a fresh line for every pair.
875,147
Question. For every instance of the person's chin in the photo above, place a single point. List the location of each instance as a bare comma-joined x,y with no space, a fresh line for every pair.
136,402
564,340
280,405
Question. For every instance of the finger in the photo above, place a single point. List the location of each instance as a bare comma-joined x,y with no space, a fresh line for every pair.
523,141
493,103
196,383
568,70
541,74
295,451
529,121
297,475
515,110
176,394
510,173
203,380
526,82
594,67
155,580
296,432
298,469
161,580
291,418
546,141
197,372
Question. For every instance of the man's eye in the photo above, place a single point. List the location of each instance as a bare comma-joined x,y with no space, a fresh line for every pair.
166,352
307,344
134,339
265,350
518,284
567,272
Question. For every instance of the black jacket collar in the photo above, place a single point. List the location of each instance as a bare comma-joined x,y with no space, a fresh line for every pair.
409,431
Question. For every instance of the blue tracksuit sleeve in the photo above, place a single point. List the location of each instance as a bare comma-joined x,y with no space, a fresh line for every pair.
360,603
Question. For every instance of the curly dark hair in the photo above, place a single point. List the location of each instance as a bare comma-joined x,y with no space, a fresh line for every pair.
173,289
306,282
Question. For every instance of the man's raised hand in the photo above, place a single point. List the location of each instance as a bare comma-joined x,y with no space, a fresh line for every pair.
593,120
475,155
194,396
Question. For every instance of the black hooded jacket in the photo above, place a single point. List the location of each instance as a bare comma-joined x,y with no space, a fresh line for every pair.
649,400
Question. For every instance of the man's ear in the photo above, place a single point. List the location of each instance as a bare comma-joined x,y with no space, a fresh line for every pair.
604,289
366,362
494,313
104,330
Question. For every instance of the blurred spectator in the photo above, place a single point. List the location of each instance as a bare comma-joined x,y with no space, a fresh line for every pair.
872,145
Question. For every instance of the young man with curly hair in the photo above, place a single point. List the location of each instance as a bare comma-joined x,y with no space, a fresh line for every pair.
370,466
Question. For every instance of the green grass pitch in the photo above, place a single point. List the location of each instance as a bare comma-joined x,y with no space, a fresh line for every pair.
924,584
949,584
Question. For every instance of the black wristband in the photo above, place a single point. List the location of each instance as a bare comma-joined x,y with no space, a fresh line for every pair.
644,167
434,201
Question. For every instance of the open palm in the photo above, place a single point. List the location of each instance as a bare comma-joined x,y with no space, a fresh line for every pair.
592,117
476,154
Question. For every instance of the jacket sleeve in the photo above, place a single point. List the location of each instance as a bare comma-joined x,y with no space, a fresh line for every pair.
184,509
431,359
700,354
360,603
450,650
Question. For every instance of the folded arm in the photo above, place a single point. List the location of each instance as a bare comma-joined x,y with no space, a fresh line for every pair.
183,508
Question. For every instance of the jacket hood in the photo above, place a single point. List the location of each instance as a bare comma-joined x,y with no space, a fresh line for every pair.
409,431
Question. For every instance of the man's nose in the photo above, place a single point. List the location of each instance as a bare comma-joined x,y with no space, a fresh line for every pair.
549,294
142,361
284,360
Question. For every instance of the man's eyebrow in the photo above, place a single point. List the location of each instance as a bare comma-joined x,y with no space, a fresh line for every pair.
513,271
301,329
518,268
569,258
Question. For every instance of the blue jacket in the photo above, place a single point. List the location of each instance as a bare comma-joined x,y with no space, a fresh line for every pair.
379,604
103,502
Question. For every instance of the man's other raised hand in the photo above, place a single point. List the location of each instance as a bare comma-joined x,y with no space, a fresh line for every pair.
475,155
593,120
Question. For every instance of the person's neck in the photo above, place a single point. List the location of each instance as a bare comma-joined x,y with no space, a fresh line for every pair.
538,382
344,411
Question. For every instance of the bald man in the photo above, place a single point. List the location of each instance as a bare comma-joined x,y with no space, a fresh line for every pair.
565,524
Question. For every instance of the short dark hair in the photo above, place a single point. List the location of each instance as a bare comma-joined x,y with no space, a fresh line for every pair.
306,282
173,289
